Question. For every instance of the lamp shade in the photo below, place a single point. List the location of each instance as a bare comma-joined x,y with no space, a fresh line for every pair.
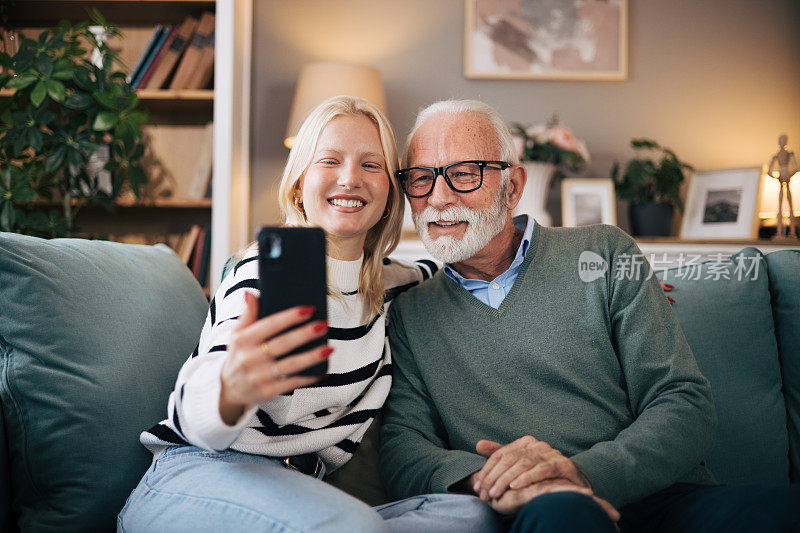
320,81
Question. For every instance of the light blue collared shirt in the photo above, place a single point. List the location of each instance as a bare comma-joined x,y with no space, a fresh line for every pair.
492,293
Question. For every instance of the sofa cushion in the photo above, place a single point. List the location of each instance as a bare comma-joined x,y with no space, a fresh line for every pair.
724,309
92,335
784,284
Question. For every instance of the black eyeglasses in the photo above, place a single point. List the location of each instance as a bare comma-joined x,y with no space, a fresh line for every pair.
464,176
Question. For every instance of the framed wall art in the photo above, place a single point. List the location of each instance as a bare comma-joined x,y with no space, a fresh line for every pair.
586,201
546,39
722,204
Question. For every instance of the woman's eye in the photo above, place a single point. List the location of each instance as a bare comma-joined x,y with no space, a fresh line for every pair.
374,166
327,161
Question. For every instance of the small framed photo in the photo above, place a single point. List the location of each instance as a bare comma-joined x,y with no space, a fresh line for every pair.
722,204
546,40
588,201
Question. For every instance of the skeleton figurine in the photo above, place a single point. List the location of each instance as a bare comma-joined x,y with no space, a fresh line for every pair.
787,166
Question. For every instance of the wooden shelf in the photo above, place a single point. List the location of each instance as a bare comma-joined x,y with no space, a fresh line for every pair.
156,203
45,13
157,95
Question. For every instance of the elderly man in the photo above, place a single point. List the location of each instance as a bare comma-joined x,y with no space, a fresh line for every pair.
557,398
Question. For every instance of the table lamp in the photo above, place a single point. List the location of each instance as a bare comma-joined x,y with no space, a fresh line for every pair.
320,81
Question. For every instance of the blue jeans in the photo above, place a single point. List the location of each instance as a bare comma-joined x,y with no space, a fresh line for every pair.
193,490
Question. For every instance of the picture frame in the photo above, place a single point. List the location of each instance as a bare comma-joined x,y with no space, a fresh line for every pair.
546,40
723,204
586,201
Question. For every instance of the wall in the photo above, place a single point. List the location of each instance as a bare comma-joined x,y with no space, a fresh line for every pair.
717,81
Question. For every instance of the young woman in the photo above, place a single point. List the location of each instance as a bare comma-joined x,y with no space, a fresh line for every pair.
247,443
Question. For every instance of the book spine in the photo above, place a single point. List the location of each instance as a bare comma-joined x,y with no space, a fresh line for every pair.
157,58
173,54
193,52
145,53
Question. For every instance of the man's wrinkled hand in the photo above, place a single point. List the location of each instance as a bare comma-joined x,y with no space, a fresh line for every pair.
522,463
513,500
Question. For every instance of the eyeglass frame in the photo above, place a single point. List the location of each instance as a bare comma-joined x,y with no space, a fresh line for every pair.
442,171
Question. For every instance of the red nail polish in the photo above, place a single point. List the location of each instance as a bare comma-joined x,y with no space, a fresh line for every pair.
306,310
670,300
320,326
667,285
326,352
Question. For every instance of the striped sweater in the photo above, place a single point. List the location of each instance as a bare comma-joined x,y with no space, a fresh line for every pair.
330,417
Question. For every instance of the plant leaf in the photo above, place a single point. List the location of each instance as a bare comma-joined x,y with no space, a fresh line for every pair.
7,216
55,159
39,93
35,139
56,91
78,101
21,81
44,65
82,79
105,121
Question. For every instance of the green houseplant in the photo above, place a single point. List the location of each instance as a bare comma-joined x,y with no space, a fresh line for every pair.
63,110
651,184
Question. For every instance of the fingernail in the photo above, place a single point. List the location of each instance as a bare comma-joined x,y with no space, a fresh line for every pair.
306,310
484,495
667,285
477,488
670,300
493,493
326,352
320,326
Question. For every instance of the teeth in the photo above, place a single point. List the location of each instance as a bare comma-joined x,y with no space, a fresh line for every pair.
446,223
346,203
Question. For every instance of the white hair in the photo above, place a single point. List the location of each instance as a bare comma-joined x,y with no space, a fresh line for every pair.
457,107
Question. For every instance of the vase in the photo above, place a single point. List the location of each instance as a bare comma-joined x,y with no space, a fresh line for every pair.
534,196
651,220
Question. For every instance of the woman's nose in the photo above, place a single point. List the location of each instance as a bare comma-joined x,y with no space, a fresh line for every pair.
349,176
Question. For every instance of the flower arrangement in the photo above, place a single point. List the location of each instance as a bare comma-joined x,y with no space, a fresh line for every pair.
551,143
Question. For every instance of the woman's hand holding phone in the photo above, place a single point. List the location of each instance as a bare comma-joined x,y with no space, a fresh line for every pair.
252,373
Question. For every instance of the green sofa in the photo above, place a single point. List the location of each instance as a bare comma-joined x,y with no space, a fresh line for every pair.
92,335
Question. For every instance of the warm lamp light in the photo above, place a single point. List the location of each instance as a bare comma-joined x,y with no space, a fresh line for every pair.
320,81
769,196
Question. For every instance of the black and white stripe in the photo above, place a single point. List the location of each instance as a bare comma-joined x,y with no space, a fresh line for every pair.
329,417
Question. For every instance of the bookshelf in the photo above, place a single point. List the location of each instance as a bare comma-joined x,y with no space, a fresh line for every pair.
177,127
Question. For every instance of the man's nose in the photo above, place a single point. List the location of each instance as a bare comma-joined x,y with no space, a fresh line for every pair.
442,195
349,176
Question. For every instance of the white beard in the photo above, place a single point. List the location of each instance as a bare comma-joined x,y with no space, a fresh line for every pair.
482,227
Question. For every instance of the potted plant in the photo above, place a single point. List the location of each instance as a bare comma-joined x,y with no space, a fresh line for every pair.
64,111
651,184
547,151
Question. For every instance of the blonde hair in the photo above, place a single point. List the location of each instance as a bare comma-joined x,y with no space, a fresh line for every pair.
382,238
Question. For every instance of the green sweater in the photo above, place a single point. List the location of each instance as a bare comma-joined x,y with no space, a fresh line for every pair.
600,370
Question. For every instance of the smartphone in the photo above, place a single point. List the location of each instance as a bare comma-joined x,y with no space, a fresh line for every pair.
291,272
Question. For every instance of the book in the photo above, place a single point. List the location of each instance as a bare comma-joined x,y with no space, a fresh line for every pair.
188,244
147,49
205,66
158,56
202,173
197,253
193,52
173,52
205,258
162,36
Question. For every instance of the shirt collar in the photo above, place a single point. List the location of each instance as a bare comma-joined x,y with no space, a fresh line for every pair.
523,223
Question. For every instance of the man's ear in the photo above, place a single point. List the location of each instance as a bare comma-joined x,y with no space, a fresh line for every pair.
516,185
